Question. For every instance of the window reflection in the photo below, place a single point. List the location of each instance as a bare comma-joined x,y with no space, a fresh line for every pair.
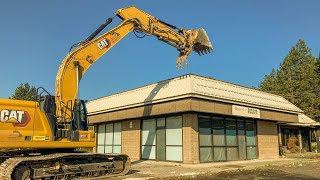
223,138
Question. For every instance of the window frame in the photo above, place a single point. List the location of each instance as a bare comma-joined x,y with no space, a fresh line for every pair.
165,136
104,139
226,118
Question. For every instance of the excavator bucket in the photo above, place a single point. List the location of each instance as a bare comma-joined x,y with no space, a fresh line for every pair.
202,44
199,42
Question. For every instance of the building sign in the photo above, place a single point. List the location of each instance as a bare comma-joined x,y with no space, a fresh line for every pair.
245,111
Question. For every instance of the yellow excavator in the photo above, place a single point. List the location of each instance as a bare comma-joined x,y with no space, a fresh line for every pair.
43,139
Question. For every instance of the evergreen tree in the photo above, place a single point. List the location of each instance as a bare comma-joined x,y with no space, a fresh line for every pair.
318,87
269,82
296,79
25,92
318,65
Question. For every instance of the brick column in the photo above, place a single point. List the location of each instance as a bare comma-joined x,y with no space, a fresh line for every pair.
300,140
268,145
190,139
131,143
279,136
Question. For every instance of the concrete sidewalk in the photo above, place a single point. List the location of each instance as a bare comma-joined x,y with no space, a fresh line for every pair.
151,169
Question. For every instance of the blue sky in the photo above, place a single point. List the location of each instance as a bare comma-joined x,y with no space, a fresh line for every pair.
249,38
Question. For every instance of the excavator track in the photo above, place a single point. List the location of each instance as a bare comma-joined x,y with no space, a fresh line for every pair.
65,166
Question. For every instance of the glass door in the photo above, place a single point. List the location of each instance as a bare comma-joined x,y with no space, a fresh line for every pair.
149,139
161,139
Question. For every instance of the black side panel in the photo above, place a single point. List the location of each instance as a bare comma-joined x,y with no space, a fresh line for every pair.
52,121
74,135
48,106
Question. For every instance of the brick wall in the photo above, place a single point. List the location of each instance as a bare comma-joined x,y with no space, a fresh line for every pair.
190,139
268,145
131,143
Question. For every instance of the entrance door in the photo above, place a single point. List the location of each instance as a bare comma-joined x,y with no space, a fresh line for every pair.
161,139
305,133
148,139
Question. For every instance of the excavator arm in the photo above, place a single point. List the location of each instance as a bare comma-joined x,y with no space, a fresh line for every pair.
89,51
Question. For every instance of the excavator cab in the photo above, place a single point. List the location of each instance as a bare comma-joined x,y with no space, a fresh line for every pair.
70,129
47,104
80,120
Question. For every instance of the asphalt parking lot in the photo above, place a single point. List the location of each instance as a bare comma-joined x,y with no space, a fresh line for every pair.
298,166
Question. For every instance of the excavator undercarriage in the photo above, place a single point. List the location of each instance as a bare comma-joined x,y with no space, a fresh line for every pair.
29,164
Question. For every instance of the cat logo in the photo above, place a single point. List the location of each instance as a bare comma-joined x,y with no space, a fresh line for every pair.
16,117
105,43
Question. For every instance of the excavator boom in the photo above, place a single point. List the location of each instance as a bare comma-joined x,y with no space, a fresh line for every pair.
78,61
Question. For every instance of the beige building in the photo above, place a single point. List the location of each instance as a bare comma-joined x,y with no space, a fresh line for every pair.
303,131
191,119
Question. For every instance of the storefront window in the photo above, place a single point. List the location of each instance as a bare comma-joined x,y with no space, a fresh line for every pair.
109,138
251,140
232,153
205,131
218,137
231,132
116,146
206,154
149,139
217,123
219,154
251,152
162,138
226,139
242,144
174,138
101,138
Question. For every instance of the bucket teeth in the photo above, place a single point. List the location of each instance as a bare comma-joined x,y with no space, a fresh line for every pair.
203,50
202,44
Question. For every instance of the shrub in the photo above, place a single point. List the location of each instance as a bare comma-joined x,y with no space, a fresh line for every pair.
314,147
293,145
